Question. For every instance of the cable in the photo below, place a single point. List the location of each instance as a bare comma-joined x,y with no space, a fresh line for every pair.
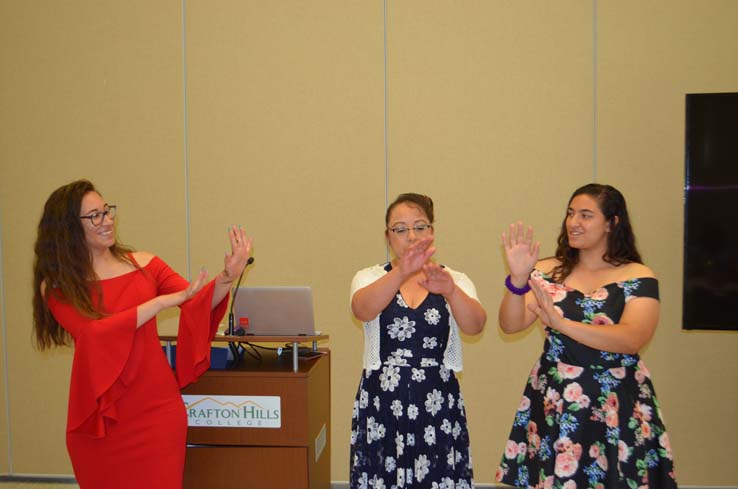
231,345
231,318
251,350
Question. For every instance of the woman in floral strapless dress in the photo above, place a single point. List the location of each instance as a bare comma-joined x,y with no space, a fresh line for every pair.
589,417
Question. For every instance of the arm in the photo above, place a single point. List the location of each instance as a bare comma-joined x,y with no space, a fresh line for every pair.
468,312
74,322
169,282
636,327
369,301
521,255
514,315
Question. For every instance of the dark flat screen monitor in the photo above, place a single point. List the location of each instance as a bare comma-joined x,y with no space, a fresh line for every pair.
711,212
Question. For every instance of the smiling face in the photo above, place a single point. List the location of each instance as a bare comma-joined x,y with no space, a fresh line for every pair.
406,216
586,225
101,237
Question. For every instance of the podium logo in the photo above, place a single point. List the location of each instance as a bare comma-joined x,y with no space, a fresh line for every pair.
233,411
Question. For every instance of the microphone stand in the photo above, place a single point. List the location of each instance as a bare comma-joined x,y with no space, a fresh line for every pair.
231,320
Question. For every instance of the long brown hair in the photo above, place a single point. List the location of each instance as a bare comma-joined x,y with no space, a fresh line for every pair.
621,247
63,264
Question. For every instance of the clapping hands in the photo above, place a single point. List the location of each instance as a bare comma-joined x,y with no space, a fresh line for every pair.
416,255
437,280
544,307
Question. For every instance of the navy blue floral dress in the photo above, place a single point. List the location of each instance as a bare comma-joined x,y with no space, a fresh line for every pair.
588,418
409,426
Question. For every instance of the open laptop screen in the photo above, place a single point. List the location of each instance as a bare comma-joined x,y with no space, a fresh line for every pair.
274,311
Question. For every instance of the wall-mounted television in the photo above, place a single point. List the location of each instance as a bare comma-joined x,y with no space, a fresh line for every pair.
711,212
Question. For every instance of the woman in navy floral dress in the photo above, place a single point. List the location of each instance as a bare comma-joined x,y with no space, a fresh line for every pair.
589,417
409,422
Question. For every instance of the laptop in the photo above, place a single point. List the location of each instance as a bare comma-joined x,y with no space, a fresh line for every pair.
274,311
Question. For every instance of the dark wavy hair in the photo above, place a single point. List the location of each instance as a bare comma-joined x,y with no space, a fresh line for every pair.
63,264
621,246
423,202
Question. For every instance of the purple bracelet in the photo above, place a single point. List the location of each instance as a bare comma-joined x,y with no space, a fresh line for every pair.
516,290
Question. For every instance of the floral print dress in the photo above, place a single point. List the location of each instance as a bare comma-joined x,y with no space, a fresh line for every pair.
409,426
588,418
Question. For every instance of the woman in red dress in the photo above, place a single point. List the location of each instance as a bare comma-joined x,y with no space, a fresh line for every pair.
126,426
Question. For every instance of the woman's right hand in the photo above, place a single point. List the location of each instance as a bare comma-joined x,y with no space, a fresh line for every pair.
178,298
521,252
415,256
151,308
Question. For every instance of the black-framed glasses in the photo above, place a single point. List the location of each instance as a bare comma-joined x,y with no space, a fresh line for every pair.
97,218
418,229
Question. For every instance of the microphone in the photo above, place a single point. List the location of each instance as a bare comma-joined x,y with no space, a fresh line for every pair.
231,319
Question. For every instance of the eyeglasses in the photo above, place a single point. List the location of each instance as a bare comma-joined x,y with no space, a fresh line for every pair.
418,229
97,218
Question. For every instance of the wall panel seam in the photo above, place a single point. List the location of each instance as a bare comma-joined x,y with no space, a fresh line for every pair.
185,128
6,378
594,90
386,122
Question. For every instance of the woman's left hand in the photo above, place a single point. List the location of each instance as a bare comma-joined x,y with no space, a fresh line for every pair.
235,261
544,307
437,280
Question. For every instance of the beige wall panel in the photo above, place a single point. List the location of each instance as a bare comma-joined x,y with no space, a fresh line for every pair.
286,138
88,89
650,55
490,112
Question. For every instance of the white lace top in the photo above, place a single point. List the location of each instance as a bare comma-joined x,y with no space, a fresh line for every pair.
372,361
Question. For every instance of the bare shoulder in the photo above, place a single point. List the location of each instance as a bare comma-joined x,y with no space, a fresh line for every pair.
143,258
636,270
547,265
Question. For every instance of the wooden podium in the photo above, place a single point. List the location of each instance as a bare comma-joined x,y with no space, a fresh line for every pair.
295,455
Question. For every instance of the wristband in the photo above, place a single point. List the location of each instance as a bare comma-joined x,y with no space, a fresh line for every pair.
516,290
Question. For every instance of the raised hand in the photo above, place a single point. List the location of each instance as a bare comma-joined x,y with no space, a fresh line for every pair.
235,261
521,252
437,279
416,255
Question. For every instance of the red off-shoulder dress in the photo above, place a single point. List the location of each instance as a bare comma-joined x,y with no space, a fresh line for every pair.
126,426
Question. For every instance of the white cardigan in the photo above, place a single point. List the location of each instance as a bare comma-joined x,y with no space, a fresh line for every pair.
452,355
